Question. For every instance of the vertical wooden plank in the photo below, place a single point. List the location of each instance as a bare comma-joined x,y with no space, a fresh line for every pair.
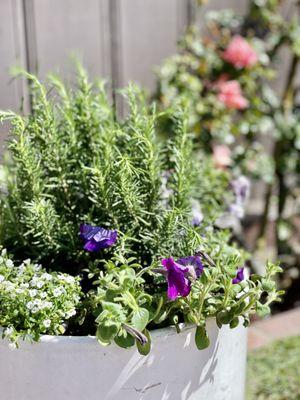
12,52
148,32
66,28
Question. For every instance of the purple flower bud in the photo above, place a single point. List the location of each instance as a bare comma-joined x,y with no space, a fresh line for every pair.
239,276
136,334
96,238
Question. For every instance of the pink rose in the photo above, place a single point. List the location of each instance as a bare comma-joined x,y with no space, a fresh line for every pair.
230,94
239,53
221,156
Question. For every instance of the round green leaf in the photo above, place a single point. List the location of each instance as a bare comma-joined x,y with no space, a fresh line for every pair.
140,319
124,342
105,333
144,349
201,338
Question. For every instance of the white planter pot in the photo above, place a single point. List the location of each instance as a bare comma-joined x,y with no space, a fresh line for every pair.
78,368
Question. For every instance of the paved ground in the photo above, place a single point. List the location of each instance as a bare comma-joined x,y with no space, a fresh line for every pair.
280,326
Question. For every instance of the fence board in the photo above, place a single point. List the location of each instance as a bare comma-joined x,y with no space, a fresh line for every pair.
148,32
65,28
11,53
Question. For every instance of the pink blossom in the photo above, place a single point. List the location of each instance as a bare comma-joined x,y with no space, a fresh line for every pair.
221,156
239,53
230,94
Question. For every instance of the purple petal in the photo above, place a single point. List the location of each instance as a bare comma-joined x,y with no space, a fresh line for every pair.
96,238
239,276
178,284
194,265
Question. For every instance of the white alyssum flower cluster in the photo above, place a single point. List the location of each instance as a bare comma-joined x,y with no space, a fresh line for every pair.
33,301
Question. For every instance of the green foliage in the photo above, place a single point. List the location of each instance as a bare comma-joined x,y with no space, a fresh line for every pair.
191,78
273,372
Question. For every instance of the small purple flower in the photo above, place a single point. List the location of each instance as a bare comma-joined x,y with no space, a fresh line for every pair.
96,238
178,284
180,273
241,188
239,276
197,216
194,265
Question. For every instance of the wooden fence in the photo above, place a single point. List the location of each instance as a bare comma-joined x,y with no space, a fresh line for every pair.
119,39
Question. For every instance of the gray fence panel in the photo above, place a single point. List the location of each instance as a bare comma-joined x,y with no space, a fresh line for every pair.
121,40
66,28
12,52
148,32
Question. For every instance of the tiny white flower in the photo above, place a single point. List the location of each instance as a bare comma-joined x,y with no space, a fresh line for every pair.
36,282
12,345
43,295
39,284
9,331
21,270
46,304
30,305
58,292
70,313
24,285
32,292
46,276
9,263
47,323
66,278
1,278
9,286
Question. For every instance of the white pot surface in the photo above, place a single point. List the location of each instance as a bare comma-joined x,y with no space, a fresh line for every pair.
78,368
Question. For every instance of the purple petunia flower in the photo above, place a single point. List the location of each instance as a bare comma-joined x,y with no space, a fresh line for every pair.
96,238
178,284
194,265
239,276
180,273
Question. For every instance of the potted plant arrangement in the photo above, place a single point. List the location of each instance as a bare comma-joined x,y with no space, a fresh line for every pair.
110,258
